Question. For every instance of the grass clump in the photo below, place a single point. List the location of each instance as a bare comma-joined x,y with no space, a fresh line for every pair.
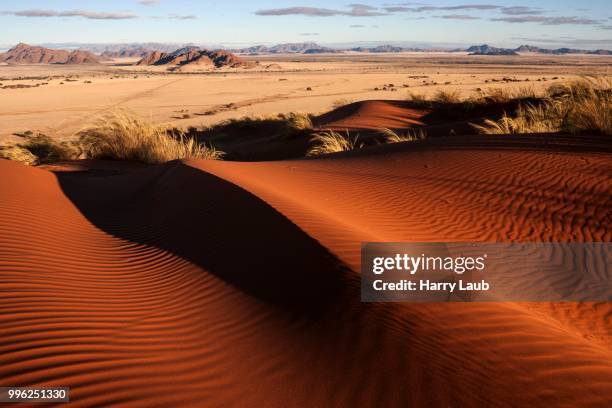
37,148
447,96
123,136
392,136
298,121
417,98
528,119
576,107
332,142
19,154
340,103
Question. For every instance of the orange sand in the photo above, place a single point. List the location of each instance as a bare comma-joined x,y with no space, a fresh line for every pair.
206,283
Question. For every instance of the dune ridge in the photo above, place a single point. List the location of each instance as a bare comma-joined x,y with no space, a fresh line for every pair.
236,284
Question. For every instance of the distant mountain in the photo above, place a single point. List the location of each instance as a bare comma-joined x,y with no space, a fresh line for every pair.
138,52
601,52
488,50
288,48
28,54
194,58
379,49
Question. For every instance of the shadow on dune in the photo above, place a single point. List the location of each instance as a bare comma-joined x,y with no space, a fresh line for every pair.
216,225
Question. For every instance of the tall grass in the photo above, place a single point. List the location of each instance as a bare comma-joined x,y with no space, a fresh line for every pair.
411,135
36,148
447,96
118,135
123,136
298,121
332,142
19,154
575,107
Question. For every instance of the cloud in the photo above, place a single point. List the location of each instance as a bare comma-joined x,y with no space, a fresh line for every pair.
92,15
308,34
356,10
606,27
356,26
306,11
403,8
549,20
148,2
362,10
397,9
520,10
459,17
173,16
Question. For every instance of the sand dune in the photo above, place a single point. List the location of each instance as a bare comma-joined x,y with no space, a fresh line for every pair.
373,115
235,284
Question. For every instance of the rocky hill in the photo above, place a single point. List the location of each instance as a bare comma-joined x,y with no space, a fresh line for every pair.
194,58
28,54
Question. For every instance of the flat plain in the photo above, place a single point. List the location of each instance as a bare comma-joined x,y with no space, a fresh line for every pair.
74,96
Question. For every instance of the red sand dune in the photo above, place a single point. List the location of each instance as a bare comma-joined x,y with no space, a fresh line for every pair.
206,283
373,115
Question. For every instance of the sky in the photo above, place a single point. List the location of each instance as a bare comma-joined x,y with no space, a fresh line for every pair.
552,23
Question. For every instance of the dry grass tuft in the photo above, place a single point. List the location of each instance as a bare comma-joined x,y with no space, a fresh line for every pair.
340,103
123,136
37,148
298,121
18,154
447,96
332,142
417,98
575,107
410,136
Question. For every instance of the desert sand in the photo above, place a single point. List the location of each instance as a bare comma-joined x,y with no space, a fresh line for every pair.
76,95
236,284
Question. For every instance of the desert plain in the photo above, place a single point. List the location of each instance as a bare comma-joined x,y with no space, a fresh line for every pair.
75,95
220,283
